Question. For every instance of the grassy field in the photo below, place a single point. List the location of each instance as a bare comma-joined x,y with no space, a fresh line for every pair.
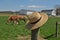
11,32
49,29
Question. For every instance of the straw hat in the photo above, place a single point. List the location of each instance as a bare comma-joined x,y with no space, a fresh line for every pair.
36,20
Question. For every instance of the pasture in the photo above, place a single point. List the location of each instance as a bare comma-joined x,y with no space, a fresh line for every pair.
11,32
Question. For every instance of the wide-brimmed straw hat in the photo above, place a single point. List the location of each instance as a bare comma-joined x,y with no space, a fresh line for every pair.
36,20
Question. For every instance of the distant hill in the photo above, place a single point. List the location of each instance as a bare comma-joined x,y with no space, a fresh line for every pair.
6,12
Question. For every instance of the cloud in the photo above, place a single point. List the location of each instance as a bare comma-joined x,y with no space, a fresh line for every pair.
32,6
35,6
22,6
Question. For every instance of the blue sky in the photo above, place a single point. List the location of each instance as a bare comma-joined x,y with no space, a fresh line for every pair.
14,5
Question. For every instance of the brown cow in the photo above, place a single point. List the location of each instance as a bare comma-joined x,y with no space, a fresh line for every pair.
16,18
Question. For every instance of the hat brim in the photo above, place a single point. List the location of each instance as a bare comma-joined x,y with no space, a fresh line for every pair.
39,23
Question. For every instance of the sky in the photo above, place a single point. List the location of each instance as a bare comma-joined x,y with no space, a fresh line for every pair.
15,5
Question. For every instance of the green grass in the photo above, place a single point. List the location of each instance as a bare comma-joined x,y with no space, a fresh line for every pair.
10,32
49,28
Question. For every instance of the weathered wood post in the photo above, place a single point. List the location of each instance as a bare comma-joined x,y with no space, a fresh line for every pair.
56,29
34,34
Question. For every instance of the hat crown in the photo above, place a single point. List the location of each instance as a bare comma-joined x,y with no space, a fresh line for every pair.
34,17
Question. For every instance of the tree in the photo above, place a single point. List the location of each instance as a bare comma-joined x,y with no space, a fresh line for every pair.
57,7
58,11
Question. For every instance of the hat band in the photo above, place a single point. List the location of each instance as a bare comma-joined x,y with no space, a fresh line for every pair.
36,21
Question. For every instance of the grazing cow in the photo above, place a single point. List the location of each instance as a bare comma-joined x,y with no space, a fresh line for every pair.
13,18
16,18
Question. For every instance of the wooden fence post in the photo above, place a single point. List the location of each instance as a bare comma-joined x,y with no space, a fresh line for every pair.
56,29
34,34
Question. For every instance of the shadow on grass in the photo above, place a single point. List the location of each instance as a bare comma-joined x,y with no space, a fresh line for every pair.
52,36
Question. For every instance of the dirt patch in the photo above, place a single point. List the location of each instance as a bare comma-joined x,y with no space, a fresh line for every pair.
24,37
6,14
28,37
